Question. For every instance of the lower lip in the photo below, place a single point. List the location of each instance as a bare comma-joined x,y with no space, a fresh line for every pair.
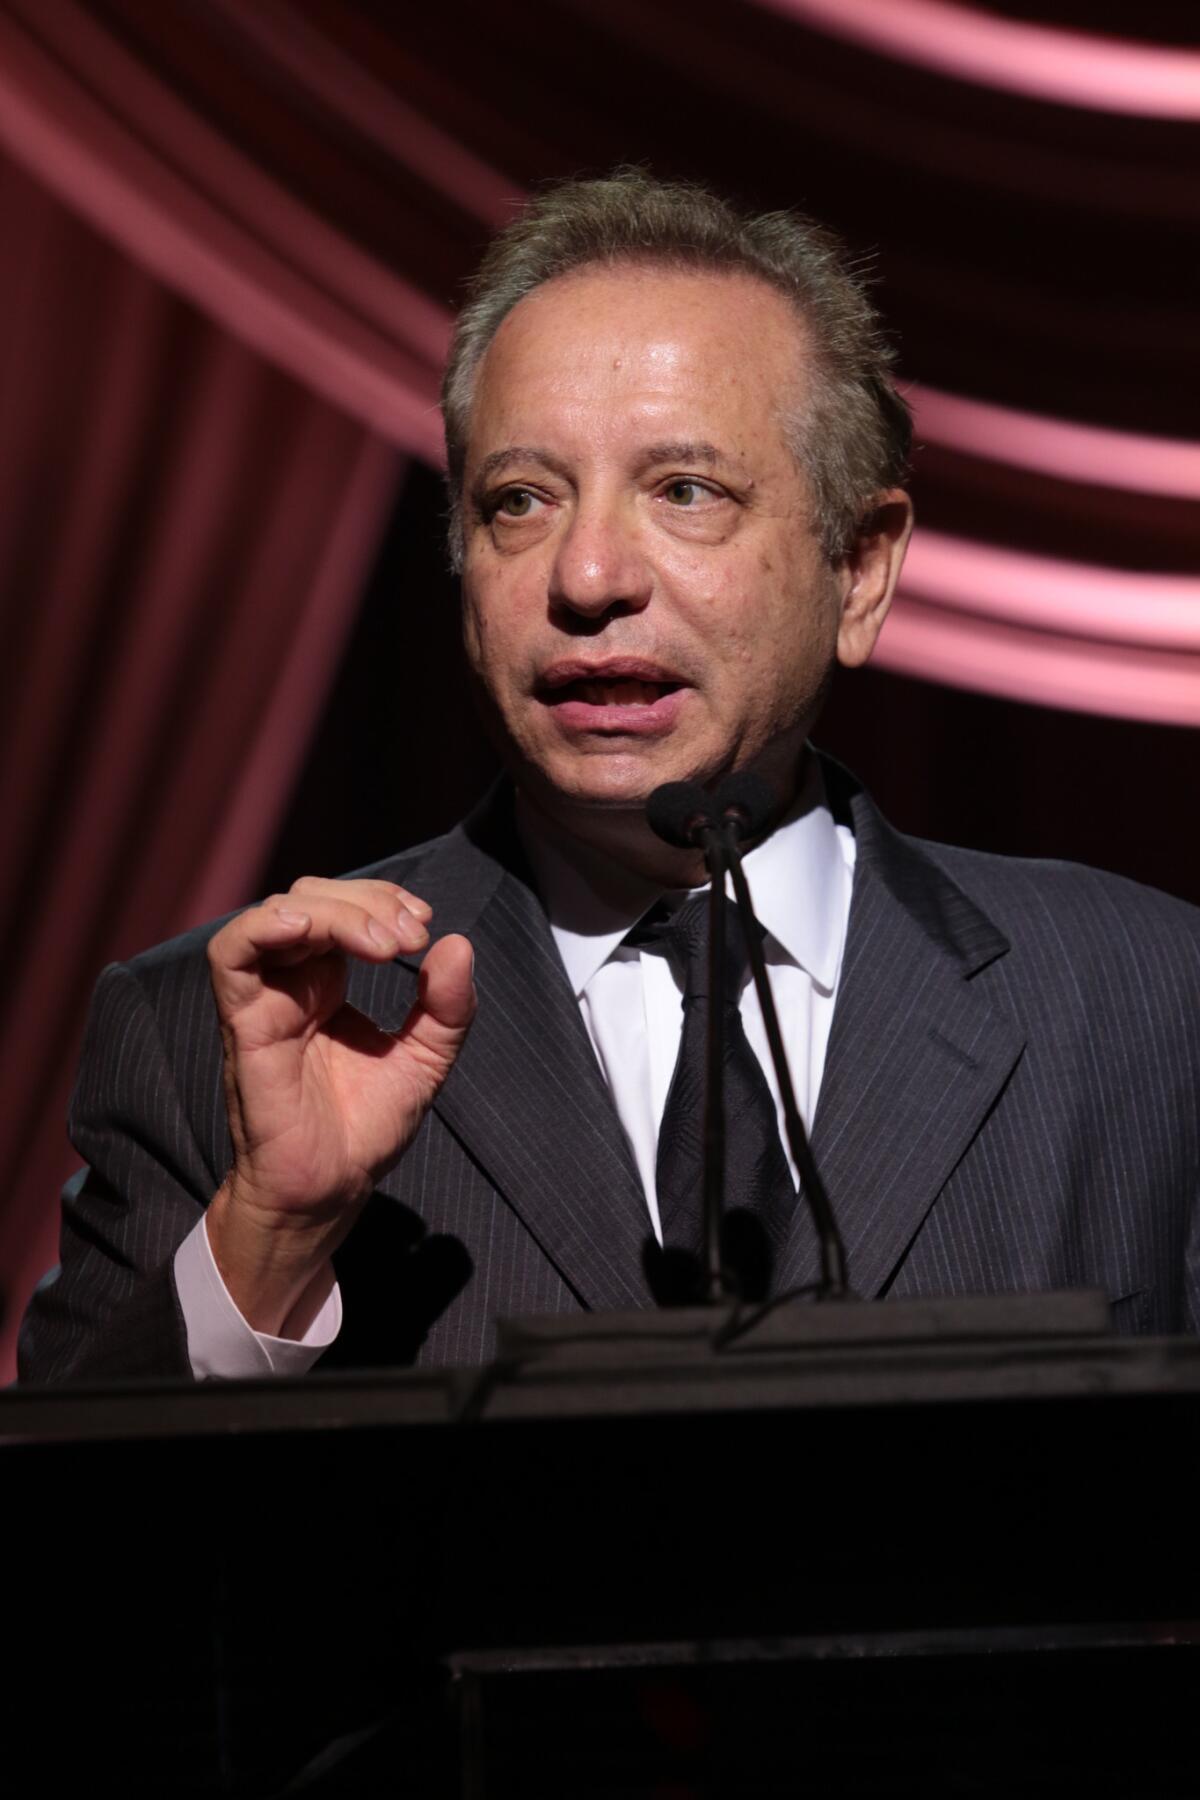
579,717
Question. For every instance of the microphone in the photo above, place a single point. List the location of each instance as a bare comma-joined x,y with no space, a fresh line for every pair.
745,802
679,812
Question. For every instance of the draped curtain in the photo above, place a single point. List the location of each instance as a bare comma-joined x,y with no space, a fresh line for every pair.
185,535
234,237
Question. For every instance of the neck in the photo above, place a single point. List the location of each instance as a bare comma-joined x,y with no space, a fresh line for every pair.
623,839
621,836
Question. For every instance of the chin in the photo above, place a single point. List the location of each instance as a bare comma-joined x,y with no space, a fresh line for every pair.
616,784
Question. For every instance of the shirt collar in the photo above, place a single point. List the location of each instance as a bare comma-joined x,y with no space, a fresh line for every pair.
799,880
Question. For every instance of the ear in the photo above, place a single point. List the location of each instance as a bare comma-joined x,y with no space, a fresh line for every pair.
868,574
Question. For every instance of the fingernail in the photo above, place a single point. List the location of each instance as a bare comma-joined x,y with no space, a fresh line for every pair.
289,917
421,908
409,925
383,937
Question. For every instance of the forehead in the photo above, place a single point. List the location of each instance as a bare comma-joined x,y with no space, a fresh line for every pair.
603,351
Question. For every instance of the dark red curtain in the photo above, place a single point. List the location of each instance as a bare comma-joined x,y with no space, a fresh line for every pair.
234,238
185,535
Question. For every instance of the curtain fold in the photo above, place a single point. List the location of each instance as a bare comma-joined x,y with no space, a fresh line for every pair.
122,150
189,534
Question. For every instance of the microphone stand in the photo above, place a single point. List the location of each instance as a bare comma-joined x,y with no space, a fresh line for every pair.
714,844
833,1284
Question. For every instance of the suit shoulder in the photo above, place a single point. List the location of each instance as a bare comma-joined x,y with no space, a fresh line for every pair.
1088,912
401,867
1058,882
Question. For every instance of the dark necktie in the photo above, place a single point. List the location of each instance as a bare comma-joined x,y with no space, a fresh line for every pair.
760,1196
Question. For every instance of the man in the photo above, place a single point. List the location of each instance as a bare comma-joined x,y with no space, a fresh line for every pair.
437,1089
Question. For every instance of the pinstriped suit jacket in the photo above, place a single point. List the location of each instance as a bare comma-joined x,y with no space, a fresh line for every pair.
1010,1101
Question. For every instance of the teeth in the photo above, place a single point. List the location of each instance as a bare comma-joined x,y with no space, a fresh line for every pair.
621,691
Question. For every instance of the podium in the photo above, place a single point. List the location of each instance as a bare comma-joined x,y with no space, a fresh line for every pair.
955,1568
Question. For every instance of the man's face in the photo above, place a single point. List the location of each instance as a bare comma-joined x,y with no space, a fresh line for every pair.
645,598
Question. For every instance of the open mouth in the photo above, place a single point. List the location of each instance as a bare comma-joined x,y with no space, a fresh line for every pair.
617,690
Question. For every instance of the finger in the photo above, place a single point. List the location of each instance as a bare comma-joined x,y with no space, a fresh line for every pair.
445,1005
282,931
256,932
349,917
373,894
421,909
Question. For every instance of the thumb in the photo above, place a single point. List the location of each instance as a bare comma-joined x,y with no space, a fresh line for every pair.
437,1023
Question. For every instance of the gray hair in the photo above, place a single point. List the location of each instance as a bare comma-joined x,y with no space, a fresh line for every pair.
853,438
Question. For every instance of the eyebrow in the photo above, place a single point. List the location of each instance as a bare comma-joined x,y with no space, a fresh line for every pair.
680,450
518,453
675,450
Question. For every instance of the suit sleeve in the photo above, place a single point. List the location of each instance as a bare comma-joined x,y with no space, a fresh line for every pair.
110,1310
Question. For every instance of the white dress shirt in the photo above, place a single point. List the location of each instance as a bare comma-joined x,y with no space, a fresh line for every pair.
631,1001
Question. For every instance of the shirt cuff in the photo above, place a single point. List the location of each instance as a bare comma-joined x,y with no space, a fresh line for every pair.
219,1340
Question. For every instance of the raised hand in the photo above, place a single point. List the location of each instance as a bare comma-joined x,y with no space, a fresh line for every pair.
321,1102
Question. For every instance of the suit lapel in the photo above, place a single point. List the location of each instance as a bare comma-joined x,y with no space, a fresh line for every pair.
917,1055
526,1097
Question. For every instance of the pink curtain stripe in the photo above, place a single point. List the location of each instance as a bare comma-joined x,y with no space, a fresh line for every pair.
1043,594
1135,463
237,186
167,222
993,657
1057,447
1070,68
875,115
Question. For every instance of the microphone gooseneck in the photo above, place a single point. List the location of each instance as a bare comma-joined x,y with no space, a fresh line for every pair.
834,1283
684,814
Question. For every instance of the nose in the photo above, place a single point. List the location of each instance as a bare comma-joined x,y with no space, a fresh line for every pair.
599,565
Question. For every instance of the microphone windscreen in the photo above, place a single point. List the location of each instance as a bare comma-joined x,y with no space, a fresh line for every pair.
678,811
746,801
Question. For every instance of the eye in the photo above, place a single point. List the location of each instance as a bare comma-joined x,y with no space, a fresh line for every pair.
684,492
516,503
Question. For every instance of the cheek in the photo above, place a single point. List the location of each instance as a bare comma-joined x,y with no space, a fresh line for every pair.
738,611
473,635
775,637
488,628
716,596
